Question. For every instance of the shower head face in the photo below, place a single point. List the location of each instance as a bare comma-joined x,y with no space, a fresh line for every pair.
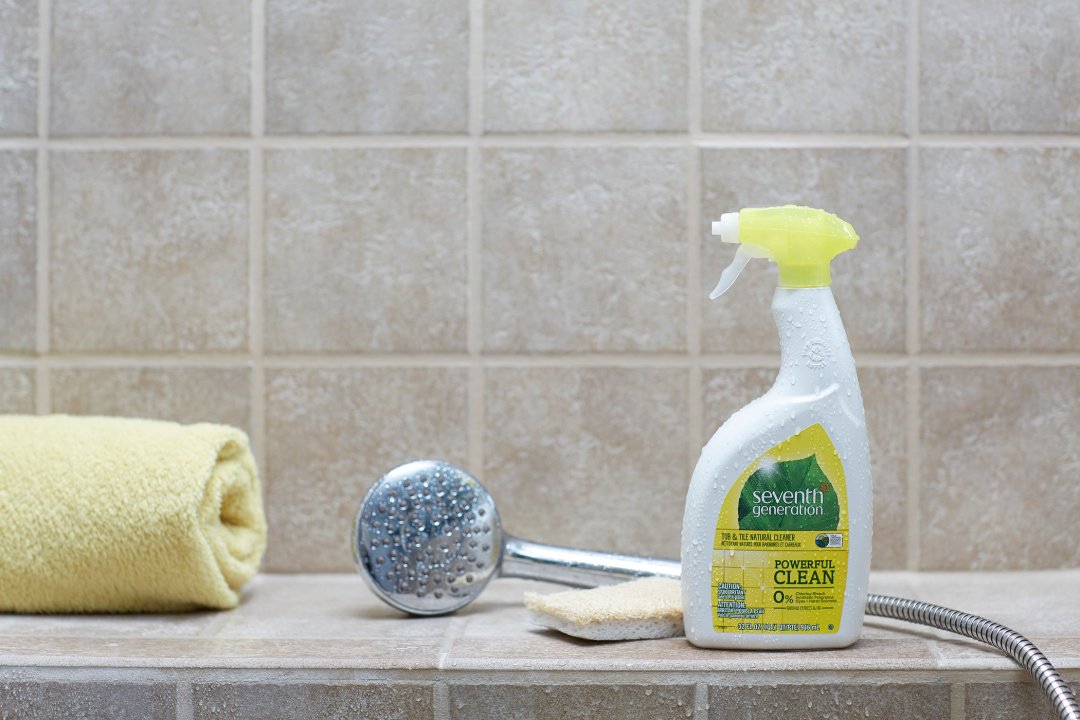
427,538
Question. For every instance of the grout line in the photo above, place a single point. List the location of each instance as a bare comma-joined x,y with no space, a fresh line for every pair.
695,84
701,701
958,701
657,360
914,467
474,243
675,139
440,695
694,90
256,214
42,378
185,703
913,298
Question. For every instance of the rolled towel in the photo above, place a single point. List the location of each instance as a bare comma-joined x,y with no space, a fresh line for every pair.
118,515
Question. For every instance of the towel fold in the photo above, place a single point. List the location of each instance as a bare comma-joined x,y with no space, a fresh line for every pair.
118,515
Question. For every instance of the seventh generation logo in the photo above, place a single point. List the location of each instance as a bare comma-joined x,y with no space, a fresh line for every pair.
789,495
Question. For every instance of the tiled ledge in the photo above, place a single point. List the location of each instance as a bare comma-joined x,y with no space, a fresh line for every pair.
321,646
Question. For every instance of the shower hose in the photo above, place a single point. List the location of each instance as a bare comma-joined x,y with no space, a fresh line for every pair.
1010,642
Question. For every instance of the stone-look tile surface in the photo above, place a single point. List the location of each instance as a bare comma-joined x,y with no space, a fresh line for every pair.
344,66
589,457
999,453
865,187
585,66
122,67
884,392
1006,701
18,244
331,433
87,701
653,701
279,607
999,233
18,67
584,250
181,394
149,250
836,701
499,637
983,70
804,66
16,391
365,250
311,701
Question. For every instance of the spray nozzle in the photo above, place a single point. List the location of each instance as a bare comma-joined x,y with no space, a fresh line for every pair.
802,242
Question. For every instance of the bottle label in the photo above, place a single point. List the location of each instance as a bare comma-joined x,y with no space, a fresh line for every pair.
780,553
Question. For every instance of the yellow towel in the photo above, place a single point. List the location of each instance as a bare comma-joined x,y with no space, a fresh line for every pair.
117,515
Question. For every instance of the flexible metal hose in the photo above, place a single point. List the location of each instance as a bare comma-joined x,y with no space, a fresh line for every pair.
1010,642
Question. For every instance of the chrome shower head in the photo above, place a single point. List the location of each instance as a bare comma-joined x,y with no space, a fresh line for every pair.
427,538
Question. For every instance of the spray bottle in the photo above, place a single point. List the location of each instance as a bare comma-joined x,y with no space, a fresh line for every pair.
777,527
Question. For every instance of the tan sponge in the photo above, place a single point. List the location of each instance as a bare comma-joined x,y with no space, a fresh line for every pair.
635,610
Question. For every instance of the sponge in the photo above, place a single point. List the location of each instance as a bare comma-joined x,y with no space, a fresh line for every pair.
635,610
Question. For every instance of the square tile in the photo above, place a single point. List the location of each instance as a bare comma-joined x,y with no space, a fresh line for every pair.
585,66
31,700
998,235
837,701
18,67
181,394
998,454
804,66
331,433
985,70
124,67
366,66
652,701
884,397
1005,701
365,250
17,391
584,250
581,456
149,250
312,701
866,187
18,245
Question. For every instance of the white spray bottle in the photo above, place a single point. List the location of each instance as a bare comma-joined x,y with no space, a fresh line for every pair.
776,533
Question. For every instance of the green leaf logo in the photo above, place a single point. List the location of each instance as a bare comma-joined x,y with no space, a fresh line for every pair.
789,495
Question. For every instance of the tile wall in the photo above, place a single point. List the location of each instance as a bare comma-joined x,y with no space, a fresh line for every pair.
368,231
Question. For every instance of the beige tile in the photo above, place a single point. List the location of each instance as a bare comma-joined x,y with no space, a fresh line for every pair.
803,66
18,243
865,187
983,71
18,67
654,701
998,235
585,66
149,250
1005,701
29,700
280,607
958,653
17,390
182,394
727,389
98,629
837,701
998,456
584,250
343,66
379,653
311,701
365,250
589,457
123,67
332,433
